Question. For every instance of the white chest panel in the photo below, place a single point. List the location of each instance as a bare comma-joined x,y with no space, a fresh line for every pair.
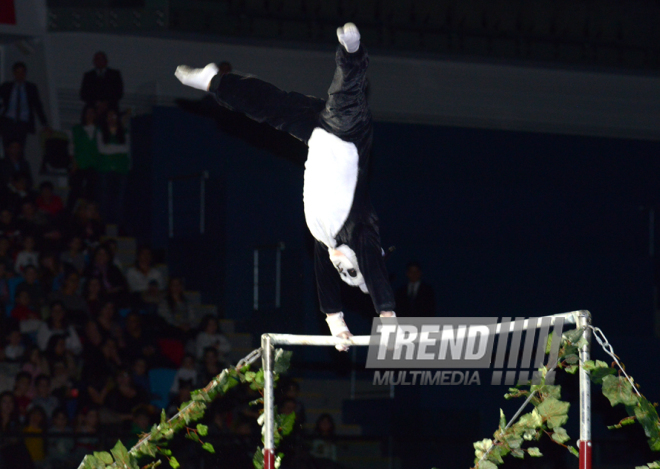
331,173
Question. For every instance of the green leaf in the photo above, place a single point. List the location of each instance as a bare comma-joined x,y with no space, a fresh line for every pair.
120,453
513,441
571,369
622,423
547,390
209,447
282,359
647,416
165,451
530,421
203,430
554,411
193,436
573,336
287,423
480,447
571,359
518,453
174,463
258,459
573,451
618,390
496,454
598,370
104,457
534,452
548,343
249,376
486,464
163,417
560,436
502,419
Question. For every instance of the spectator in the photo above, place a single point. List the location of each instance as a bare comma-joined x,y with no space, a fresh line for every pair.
139,343
112,280
114,165
4,290
51,276
140,375
58,325
32,286
143,272
88,224
291,390
186,374
36,425
72,301
60,447
20,102
28,256
89,425
102,87
74,256
23,312
125,396
48,202
211,367
5,255
175,309
108,323
16,192
22,395
323,444
14,350
151,297
14,163
141,422
94,296
43,397
34,223
210,336
83,178
112,246
61,381
417,298
12,450
36,363
57,352
8,228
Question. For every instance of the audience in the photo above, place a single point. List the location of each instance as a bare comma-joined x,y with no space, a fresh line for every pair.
142,273
416,298
102,87
83,177
114,165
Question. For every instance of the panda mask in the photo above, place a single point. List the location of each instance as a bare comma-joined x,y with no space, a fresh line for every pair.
346,264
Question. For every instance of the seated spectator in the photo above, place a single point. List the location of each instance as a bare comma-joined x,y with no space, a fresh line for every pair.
74,256
151,297
8,227
94,296
141,423
51,274
210,336
48,202
58,325
61,383
185,389
174,309
43,398
291,390
114,165
14,350
139,342
32,286
211,366
112,246
104,365
125,396
35,425
29,320
73,302
6,258
22,395
83,178
323,445
14,163
16,193
186,374
36,363
143,272
140,375
57,352
34,223
60,447
13,452
89,426
4,291
88,224
27,257
109,324
112,280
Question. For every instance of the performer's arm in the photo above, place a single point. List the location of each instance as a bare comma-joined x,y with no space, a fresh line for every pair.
372,266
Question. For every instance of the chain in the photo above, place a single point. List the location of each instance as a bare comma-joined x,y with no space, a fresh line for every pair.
602,340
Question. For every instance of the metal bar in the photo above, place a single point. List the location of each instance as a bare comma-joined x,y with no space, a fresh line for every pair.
255,304
278,274
170,207
584,320
269,417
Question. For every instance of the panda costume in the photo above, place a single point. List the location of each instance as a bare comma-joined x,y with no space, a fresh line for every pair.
338,132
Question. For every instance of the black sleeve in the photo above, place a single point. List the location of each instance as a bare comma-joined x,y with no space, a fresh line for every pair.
87,89
117,87
290,112
327,280
366,244
38,106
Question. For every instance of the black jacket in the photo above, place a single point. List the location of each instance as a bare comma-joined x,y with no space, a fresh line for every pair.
34,102
109,87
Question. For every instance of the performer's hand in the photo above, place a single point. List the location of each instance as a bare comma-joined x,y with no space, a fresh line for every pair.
349,37
338,328
198,78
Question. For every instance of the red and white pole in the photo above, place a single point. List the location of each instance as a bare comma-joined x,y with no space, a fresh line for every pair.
583,322
269,418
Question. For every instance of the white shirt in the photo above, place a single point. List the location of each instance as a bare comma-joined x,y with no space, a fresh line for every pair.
139,282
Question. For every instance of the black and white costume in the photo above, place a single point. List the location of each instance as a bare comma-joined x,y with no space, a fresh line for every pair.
338,210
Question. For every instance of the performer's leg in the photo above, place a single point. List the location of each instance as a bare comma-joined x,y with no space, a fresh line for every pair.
372,265
290,112
346,112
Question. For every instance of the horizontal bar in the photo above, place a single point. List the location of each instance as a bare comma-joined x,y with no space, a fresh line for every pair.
364,340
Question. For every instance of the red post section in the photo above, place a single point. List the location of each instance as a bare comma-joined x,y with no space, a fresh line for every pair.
269,459
585,454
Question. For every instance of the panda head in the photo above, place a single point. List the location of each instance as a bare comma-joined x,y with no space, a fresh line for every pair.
345,261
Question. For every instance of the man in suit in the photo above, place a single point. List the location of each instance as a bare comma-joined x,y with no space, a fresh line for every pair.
14,163
102,87
416,298
20,103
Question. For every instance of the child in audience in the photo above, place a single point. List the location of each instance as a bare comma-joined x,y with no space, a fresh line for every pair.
210,336
43,398
36,364
22,394
14,350
36,425
187,373
59,447
74,256
28,256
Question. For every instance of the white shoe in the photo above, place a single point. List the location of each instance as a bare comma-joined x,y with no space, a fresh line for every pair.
198,78
338,328
349,37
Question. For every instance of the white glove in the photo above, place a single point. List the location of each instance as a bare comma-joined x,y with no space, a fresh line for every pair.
338,328
198,78
349,37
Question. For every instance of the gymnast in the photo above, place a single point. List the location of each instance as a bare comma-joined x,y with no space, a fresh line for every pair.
338,133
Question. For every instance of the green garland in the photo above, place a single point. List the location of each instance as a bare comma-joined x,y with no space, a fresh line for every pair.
154,444
550,412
